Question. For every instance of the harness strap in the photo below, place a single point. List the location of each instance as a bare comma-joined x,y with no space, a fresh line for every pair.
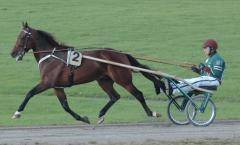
48,56
43,59
71,76
71,68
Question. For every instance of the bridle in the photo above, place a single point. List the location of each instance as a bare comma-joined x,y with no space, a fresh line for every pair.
26,49
27,37
25,45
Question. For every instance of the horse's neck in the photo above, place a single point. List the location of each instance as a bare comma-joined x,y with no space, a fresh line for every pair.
44,48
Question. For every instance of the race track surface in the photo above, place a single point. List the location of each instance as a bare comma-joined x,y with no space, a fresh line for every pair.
118,134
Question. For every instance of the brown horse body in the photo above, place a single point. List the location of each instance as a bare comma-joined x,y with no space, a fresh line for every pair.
88,71
57,75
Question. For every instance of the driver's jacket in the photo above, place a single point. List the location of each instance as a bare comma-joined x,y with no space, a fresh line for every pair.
217,65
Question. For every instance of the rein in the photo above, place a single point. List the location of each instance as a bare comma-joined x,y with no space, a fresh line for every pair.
185,65
47,51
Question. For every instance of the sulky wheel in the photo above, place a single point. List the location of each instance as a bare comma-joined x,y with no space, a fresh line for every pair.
176,110
200,116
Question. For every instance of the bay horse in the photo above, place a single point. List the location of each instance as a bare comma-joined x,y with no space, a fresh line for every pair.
57,75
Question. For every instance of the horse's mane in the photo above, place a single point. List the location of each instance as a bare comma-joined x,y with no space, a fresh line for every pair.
50,39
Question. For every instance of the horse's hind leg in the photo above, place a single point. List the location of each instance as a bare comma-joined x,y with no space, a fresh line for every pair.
123,77
139,96
63,100
106,84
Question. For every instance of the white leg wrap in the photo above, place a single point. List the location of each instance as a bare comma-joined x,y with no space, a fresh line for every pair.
16,115
156,114
100,120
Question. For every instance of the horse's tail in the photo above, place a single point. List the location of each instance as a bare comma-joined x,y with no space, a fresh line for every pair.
158,84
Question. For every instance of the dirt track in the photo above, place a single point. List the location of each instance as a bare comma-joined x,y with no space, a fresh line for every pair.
162,133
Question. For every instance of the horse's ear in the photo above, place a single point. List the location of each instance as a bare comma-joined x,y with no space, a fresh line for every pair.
25,25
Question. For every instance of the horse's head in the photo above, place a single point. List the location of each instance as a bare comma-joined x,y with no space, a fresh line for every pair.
24,42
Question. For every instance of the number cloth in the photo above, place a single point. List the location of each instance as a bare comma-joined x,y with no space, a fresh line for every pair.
74,58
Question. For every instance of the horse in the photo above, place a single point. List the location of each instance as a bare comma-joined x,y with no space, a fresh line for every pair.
56,74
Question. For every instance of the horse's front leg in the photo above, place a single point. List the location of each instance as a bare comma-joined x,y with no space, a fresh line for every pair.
63,100
36,90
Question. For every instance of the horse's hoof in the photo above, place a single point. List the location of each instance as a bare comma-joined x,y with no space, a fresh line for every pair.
86,120
156,114
101,120
16,115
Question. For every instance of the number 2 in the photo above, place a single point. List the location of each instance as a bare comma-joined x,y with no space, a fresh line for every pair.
75,56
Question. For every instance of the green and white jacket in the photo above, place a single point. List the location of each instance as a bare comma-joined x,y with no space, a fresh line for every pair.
217,65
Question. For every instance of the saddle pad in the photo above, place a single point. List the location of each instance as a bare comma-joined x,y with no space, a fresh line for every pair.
74,58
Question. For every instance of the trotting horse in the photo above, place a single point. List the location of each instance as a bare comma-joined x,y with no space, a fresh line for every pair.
56,74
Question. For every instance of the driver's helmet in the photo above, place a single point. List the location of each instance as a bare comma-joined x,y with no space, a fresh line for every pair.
211,43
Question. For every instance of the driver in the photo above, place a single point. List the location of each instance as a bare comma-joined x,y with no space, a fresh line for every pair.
211,72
